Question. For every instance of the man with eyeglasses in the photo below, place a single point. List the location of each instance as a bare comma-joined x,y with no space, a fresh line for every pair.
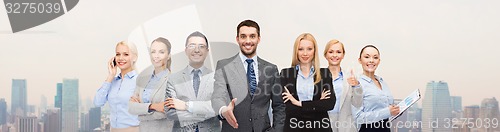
191,90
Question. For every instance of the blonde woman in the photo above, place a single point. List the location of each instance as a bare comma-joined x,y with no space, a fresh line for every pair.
148,101
118,88
347,89
304,84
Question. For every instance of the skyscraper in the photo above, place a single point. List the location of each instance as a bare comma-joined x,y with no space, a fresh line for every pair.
472,113
489,111
436,107
58,97
95,118
3,111
456,106
84,122
19,98
52,120
70,105
43,105
27,124
456,103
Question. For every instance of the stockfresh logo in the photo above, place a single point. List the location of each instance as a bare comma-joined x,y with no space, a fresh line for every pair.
25,14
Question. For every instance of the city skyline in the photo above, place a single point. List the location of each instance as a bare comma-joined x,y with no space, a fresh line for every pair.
435,97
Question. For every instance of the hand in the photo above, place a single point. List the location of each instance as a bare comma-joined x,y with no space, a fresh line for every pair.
288,97
176,104
394,109
325,94
111,70
228,114
158,107
135,99
352,79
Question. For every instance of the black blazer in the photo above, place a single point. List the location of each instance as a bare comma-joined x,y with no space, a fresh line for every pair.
315,110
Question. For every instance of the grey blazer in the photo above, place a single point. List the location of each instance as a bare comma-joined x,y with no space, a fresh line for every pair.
181,87
251,112
351,97
150,121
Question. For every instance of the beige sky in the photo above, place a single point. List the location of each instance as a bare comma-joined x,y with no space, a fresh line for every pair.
419,41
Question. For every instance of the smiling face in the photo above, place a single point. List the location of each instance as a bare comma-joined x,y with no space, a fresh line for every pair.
159,54
335,54
196,50
305,51
123,58
369,59
248,39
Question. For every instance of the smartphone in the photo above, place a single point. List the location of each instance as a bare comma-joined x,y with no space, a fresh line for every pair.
114,62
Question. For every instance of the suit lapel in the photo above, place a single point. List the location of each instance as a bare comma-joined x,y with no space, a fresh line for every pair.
293,79
261,67
158,87
204,82
345,90
186,75
238,72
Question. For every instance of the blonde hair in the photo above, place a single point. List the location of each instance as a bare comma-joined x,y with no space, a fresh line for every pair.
295,58
169,48
332,42
132,49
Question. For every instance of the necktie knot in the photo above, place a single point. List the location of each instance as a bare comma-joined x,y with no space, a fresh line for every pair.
249,61
196,71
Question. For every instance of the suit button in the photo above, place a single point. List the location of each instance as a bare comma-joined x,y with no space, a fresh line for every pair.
250,119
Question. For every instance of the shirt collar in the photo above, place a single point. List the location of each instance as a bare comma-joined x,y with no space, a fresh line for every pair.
297,67
341,75
190,69
130,74
161,74
244,58
369,80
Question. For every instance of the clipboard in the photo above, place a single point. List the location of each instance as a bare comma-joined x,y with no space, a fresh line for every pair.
407,103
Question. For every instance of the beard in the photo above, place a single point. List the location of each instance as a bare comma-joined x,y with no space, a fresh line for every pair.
248,53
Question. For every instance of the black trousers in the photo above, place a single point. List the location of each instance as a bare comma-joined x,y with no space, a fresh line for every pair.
380,126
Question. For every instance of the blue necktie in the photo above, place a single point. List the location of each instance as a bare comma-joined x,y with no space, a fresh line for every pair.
252,82
196,81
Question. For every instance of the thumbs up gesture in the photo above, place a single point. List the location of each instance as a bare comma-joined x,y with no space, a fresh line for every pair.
352,79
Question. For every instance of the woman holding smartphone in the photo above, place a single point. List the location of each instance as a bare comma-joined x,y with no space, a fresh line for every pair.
148,101
377,106
118,88
304,84
346,87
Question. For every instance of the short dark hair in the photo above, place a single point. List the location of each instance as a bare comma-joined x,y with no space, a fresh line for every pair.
248,23
196,34
367,47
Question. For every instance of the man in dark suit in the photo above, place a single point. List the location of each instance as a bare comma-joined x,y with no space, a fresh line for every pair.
245,85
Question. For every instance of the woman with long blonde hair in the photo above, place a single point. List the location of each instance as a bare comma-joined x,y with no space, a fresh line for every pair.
303,84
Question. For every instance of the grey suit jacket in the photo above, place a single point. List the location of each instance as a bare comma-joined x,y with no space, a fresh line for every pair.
181,87
251,112
150,121
351,97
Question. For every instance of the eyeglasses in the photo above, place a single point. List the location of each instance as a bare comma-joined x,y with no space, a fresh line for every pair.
193,46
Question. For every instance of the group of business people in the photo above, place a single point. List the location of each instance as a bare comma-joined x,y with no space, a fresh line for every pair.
243,88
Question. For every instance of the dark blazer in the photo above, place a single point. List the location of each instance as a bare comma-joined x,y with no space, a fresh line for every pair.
251,112
312,111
